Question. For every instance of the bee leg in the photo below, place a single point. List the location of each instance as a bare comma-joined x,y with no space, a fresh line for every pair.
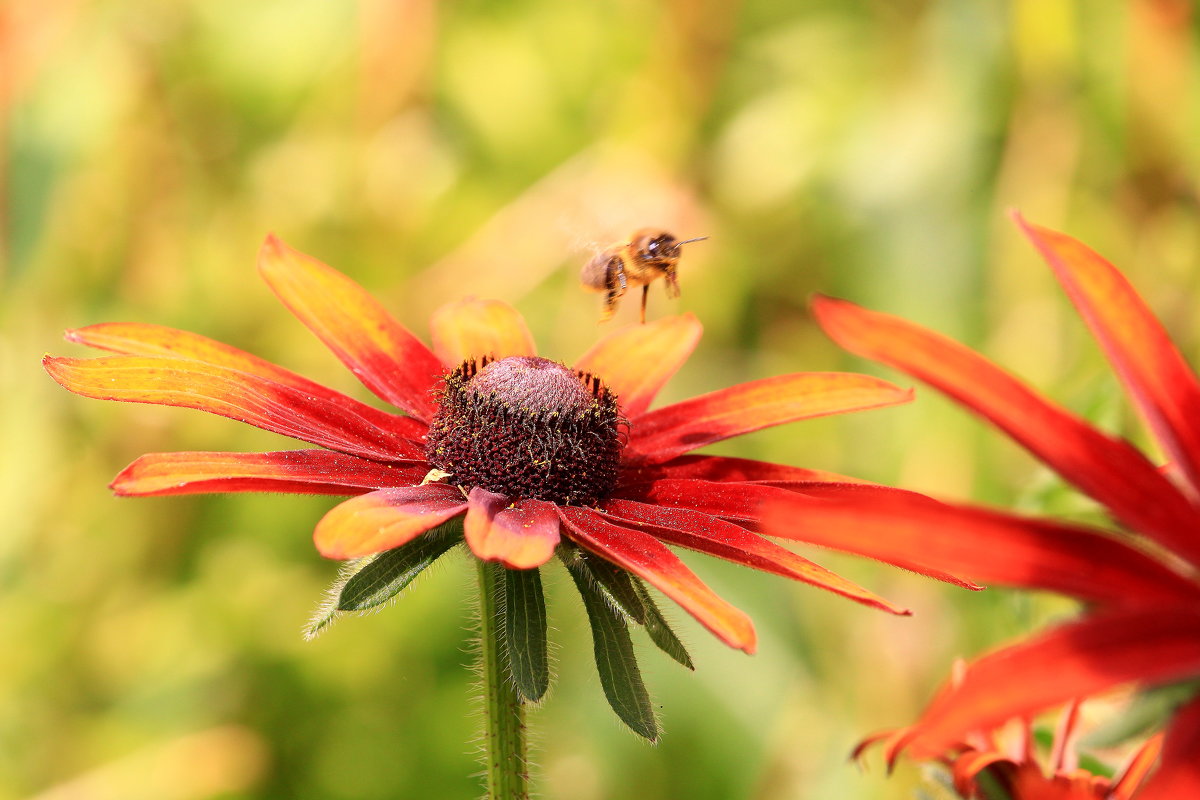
645,294
672,285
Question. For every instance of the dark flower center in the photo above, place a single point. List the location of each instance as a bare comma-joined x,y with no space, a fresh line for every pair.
527,427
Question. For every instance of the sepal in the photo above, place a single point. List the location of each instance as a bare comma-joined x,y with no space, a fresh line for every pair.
367,583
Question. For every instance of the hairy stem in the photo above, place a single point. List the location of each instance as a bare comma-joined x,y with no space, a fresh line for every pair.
504,712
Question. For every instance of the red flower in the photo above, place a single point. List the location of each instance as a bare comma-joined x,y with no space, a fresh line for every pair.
1006,758
504,424
1141,579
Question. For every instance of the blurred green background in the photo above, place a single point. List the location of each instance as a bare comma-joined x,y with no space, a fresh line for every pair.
151,648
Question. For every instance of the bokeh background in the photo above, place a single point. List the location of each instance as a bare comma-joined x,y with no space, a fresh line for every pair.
151,648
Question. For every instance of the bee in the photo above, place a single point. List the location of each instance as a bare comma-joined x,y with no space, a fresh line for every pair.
650,254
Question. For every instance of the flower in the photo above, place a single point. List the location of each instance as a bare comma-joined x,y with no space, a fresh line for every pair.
1140,578
529,455
1006,758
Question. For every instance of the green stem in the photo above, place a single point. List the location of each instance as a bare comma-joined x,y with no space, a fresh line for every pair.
504,712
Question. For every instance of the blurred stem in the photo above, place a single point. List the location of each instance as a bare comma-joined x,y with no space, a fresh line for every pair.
504,712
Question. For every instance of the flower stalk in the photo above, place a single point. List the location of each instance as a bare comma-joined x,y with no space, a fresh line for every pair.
506,767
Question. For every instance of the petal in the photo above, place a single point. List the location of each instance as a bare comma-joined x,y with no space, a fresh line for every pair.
729,470
745,504
671,431
646,557
932,538
635,362
298,471
1159,381
139,339
968,766
706,534
1148,645
381,352
1178,775
1110,470
1145,759
472,328
372,523
742,502
347,426
520,535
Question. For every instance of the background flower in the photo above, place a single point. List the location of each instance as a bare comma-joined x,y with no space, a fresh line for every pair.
1140,577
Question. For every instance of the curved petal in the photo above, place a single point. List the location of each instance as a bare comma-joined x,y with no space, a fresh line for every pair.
472,328
381,352
726,469
646,557
1145,759
1178,775
745,504
296,471
921,534
636,362
1148,645
1162,385
676,429
347,426
968,766
381,520
520,535
1111,470
715,537
140,339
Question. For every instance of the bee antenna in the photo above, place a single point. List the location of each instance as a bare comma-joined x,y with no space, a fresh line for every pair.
688,241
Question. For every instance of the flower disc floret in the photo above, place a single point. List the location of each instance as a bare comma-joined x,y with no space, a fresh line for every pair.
527,427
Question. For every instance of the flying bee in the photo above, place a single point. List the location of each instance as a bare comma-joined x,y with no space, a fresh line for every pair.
650,254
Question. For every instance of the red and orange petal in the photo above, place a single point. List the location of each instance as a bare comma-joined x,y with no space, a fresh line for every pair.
345,425
1178,774
648,558
729,469
1017,764
296,471
474,328
141,339
1158,379
668,432
520,535
382,353
1110,470
636,362
940,539
1152,645
715,537
385,519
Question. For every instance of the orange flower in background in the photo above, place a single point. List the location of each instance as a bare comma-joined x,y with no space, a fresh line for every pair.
1006,759
526,452
1140,579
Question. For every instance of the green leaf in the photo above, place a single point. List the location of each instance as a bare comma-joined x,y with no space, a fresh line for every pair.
615,661
327,612
617,584
630,595
390,571
524,609
660,632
